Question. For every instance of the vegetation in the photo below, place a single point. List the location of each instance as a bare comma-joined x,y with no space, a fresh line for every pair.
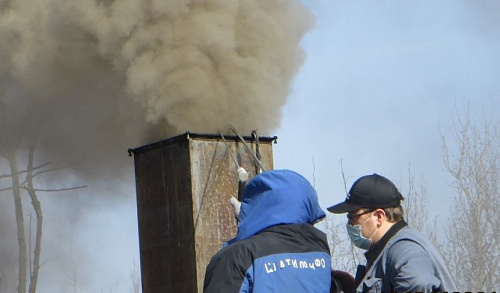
473,232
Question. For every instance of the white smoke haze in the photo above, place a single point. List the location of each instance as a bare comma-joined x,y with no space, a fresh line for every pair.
88,79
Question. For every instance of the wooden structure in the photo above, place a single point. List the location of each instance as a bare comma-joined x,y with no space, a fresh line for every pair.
183,186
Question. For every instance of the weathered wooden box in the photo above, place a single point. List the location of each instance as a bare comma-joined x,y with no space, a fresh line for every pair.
183,187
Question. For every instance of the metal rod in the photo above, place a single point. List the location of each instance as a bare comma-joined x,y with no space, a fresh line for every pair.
246,145
228,149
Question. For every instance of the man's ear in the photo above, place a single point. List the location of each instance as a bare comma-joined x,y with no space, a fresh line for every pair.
380,214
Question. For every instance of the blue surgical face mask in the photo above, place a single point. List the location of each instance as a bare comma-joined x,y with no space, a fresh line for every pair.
354,232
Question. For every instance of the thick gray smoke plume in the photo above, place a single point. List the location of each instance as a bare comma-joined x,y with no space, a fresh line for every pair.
87,79
193,65
94,76
202,64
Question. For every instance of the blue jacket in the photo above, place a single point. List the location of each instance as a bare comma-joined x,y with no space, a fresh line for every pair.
277,249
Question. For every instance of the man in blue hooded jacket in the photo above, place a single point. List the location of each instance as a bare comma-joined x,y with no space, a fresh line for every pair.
277,248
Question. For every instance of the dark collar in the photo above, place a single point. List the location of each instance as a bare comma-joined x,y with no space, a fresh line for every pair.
377,248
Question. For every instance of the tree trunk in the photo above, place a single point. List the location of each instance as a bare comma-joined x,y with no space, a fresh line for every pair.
39,224
16,191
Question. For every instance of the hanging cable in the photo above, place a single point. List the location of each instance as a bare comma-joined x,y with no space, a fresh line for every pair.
229,149
257,151
257,160
242,173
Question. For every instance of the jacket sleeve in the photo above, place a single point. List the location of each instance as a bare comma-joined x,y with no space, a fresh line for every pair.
410,268
225,273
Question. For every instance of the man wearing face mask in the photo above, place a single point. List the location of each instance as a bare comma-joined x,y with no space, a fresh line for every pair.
399,258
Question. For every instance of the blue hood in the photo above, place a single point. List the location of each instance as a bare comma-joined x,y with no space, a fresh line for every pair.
274,198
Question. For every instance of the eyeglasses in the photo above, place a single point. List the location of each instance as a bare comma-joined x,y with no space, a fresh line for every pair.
352,217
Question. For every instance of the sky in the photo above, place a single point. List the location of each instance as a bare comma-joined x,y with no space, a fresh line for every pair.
383,82
378,85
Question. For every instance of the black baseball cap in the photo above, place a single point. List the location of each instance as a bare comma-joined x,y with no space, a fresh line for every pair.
370,191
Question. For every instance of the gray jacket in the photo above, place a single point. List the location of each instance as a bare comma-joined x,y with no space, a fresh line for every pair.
408,263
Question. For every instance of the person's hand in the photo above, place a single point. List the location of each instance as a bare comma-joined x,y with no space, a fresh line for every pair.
236,206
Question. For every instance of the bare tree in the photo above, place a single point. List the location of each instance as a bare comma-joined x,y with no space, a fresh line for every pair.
16,187
10,155
415,207
39,221
344,255
473,248
72,278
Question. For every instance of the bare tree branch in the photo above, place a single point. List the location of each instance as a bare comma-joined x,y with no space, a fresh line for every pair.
28,185
472,248
22,171
58,189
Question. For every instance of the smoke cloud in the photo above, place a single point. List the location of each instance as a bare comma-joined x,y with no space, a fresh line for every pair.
202,64
87,79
